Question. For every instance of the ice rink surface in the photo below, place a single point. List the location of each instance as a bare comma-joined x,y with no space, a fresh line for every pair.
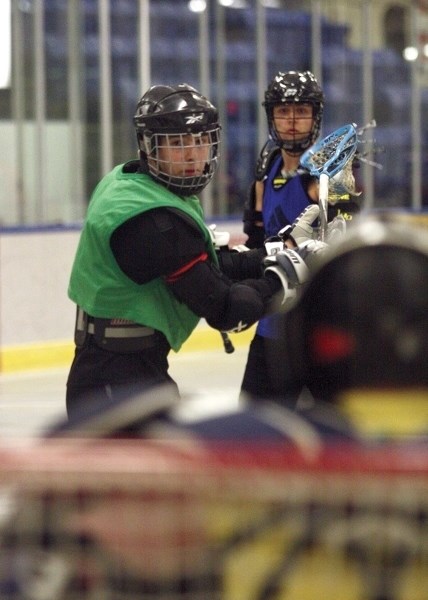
32,401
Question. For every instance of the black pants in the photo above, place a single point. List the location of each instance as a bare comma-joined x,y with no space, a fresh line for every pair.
99,377
260,380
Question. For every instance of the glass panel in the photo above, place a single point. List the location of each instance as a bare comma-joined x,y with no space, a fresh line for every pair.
358,53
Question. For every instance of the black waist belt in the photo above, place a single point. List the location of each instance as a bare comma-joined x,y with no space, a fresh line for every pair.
115,335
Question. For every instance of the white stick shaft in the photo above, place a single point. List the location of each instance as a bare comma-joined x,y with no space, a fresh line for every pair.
323,202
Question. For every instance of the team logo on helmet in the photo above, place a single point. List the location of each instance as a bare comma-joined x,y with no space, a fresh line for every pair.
191,119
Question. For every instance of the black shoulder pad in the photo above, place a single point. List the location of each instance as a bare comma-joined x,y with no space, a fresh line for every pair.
132,166
185,217
268,153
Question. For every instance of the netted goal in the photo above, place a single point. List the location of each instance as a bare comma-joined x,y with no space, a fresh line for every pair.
167,521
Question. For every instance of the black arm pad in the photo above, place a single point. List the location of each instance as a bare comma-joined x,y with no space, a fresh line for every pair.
248,301
256,236
244,307
255,233
224,305
251,215
242,265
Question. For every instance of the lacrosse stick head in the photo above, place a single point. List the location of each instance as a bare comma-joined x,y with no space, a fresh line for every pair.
325,159
330,155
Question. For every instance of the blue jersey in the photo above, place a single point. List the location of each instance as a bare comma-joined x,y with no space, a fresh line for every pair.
283,201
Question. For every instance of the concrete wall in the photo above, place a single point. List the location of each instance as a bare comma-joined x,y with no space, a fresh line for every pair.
37,183
35,313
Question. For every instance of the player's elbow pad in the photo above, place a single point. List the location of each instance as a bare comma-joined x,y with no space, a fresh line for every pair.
245,306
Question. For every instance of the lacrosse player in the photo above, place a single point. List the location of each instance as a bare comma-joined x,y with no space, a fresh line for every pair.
146,269
358,329
294,104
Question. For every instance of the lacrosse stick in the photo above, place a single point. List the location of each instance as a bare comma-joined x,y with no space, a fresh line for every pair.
227,343
325,159
221,240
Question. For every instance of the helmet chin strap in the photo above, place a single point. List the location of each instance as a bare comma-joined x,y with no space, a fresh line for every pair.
294,147
298,147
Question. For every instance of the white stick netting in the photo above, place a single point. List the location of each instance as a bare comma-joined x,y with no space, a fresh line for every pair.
342,183
117,520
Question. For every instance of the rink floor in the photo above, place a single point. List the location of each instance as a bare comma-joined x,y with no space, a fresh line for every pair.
32,401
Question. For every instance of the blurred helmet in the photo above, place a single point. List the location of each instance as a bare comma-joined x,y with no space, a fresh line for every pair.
179,111
362,320
291,88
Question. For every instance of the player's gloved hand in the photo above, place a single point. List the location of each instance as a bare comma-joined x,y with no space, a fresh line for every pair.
336,229
310,251
274,244
301,229
219,238
291,270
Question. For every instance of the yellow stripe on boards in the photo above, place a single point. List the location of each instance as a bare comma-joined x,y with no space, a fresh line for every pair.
47,355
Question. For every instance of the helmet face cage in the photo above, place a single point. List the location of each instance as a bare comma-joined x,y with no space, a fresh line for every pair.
294,87
178,137
172,160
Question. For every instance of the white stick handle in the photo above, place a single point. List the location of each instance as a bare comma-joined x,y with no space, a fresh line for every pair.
323,202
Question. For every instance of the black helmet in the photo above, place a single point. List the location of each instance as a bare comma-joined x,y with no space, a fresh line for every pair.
294,87
176,110
362,321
